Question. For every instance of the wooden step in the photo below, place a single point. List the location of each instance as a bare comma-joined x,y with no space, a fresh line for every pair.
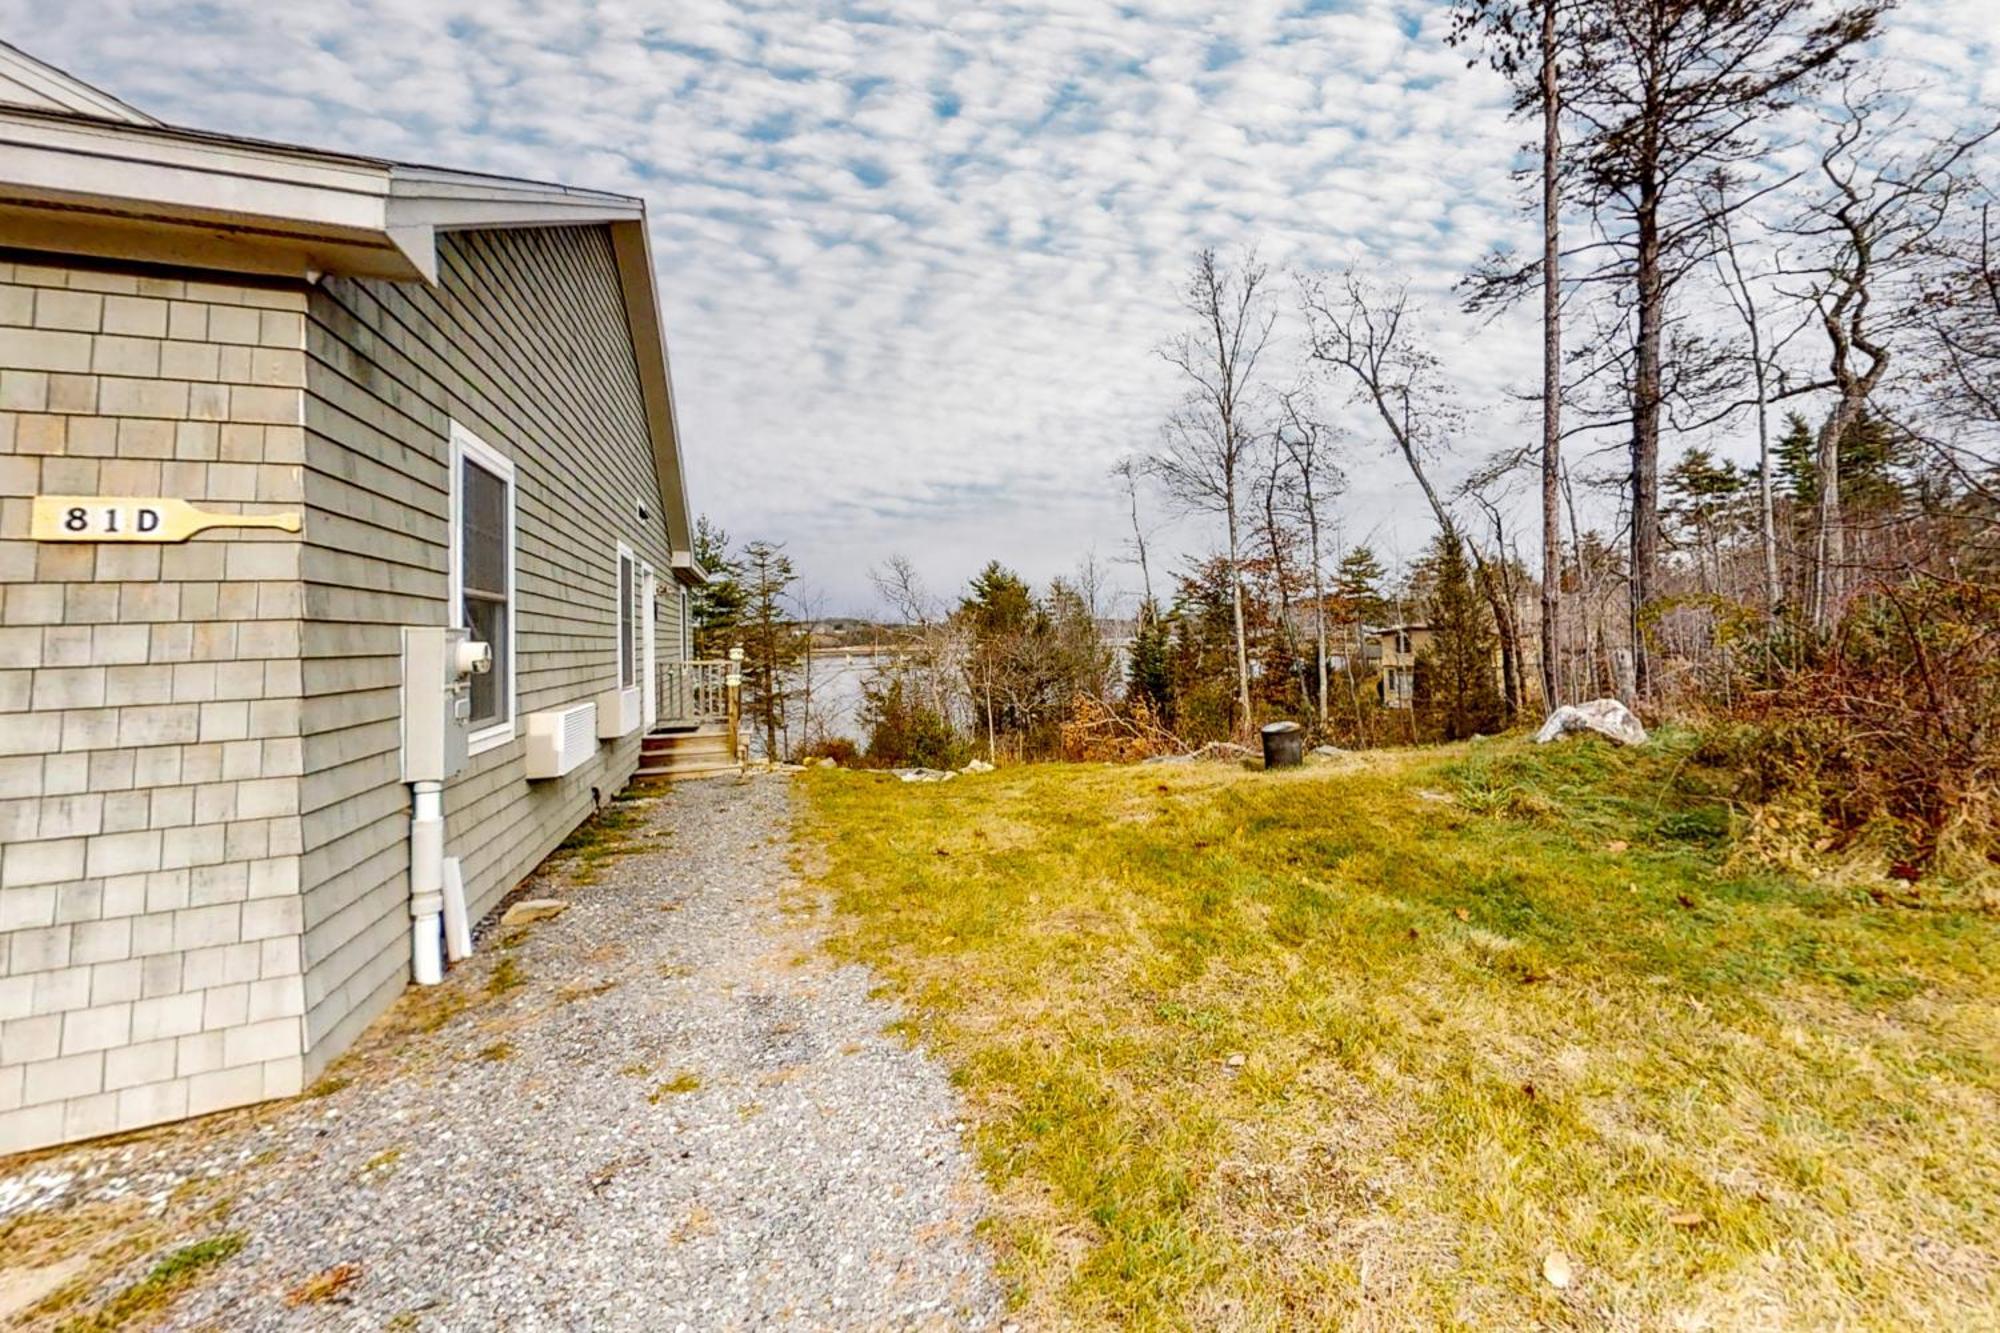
657,774
655,754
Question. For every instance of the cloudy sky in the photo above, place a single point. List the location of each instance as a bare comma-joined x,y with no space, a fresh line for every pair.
916,254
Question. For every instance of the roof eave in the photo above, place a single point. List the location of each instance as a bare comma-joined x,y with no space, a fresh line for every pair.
139,191
633,247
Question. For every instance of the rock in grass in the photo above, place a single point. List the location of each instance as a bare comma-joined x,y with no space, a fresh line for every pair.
1556,1270
1606,717
530,910
924,774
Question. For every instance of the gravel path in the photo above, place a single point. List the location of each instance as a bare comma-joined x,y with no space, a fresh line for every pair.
682,1116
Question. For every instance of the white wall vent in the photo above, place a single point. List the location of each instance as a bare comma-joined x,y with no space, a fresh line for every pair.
618,713
561,739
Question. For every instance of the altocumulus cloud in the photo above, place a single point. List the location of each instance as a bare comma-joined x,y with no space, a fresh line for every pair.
916,254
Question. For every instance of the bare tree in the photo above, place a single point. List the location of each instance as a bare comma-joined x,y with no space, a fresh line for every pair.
1368,334
1308,444
1873,227
1762,353
1504,24
1961,317
1662,94
1495,576
929,647
1206,444
1551,89
1277,504
1127,470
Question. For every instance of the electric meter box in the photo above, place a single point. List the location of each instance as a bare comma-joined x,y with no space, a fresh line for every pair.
438,665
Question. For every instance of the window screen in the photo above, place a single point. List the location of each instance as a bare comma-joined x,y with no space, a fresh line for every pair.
627,635
483,545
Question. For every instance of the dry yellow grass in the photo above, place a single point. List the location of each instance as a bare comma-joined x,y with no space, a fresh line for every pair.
1322,1049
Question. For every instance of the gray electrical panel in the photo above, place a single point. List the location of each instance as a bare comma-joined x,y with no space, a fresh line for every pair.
438,665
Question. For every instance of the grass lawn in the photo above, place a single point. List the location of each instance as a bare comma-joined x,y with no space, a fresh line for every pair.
1393,1042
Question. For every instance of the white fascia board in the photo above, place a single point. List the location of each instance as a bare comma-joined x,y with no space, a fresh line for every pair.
330,206
687,571
440,184
633,247
156,185
24,79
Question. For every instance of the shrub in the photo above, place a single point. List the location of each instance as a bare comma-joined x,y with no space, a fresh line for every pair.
837,748
1891,729
905,731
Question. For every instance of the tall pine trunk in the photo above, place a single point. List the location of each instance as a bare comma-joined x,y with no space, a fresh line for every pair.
1645,476
1236,616
1551,363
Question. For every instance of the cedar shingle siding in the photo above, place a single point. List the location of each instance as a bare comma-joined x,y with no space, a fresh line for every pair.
150,960
204,882
523,342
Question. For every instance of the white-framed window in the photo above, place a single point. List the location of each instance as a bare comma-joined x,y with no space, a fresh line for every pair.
628,618
482,588
687,625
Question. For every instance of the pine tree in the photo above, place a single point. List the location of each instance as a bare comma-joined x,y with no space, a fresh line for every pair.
1358,584
1000,611
1455,674
1702,497
716,606
772,641
1870,453
1149,668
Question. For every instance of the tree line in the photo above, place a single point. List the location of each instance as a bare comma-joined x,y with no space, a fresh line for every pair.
1763,468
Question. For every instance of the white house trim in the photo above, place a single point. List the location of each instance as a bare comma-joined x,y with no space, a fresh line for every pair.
26,81
76,178
464,445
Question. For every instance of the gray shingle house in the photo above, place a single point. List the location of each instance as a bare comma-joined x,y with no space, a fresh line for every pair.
272,420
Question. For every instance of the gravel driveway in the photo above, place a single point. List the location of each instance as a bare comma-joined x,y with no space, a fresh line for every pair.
662,1109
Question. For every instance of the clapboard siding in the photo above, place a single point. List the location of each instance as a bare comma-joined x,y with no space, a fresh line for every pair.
522,341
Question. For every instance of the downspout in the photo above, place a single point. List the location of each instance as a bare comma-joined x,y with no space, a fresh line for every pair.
436,699
427,882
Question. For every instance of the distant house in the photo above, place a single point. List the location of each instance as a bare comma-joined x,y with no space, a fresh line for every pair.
444,399
1399,647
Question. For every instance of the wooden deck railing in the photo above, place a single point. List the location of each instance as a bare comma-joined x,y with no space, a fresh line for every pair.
695,692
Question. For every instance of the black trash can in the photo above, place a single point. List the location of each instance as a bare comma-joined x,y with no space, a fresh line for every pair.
1284,745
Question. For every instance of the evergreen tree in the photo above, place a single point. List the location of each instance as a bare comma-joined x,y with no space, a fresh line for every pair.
773,642
1006,667
1358,584
998,603
1149,669
1076,660
716,606
1701,488
1703,500
1455,684
1870,454
1203,630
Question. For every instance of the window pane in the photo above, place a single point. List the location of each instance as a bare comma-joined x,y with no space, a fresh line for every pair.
626,631
488,622
483,507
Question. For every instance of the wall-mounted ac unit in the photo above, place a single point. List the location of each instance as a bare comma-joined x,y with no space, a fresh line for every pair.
618,713
561,739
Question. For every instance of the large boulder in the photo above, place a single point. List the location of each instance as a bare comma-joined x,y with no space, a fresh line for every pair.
1606,717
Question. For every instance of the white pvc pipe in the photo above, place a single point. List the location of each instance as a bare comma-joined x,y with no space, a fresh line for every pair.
427,882
457,926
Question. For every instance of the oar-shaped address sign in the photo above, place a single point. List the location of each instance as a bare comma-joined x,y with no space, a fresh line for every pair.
119,518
